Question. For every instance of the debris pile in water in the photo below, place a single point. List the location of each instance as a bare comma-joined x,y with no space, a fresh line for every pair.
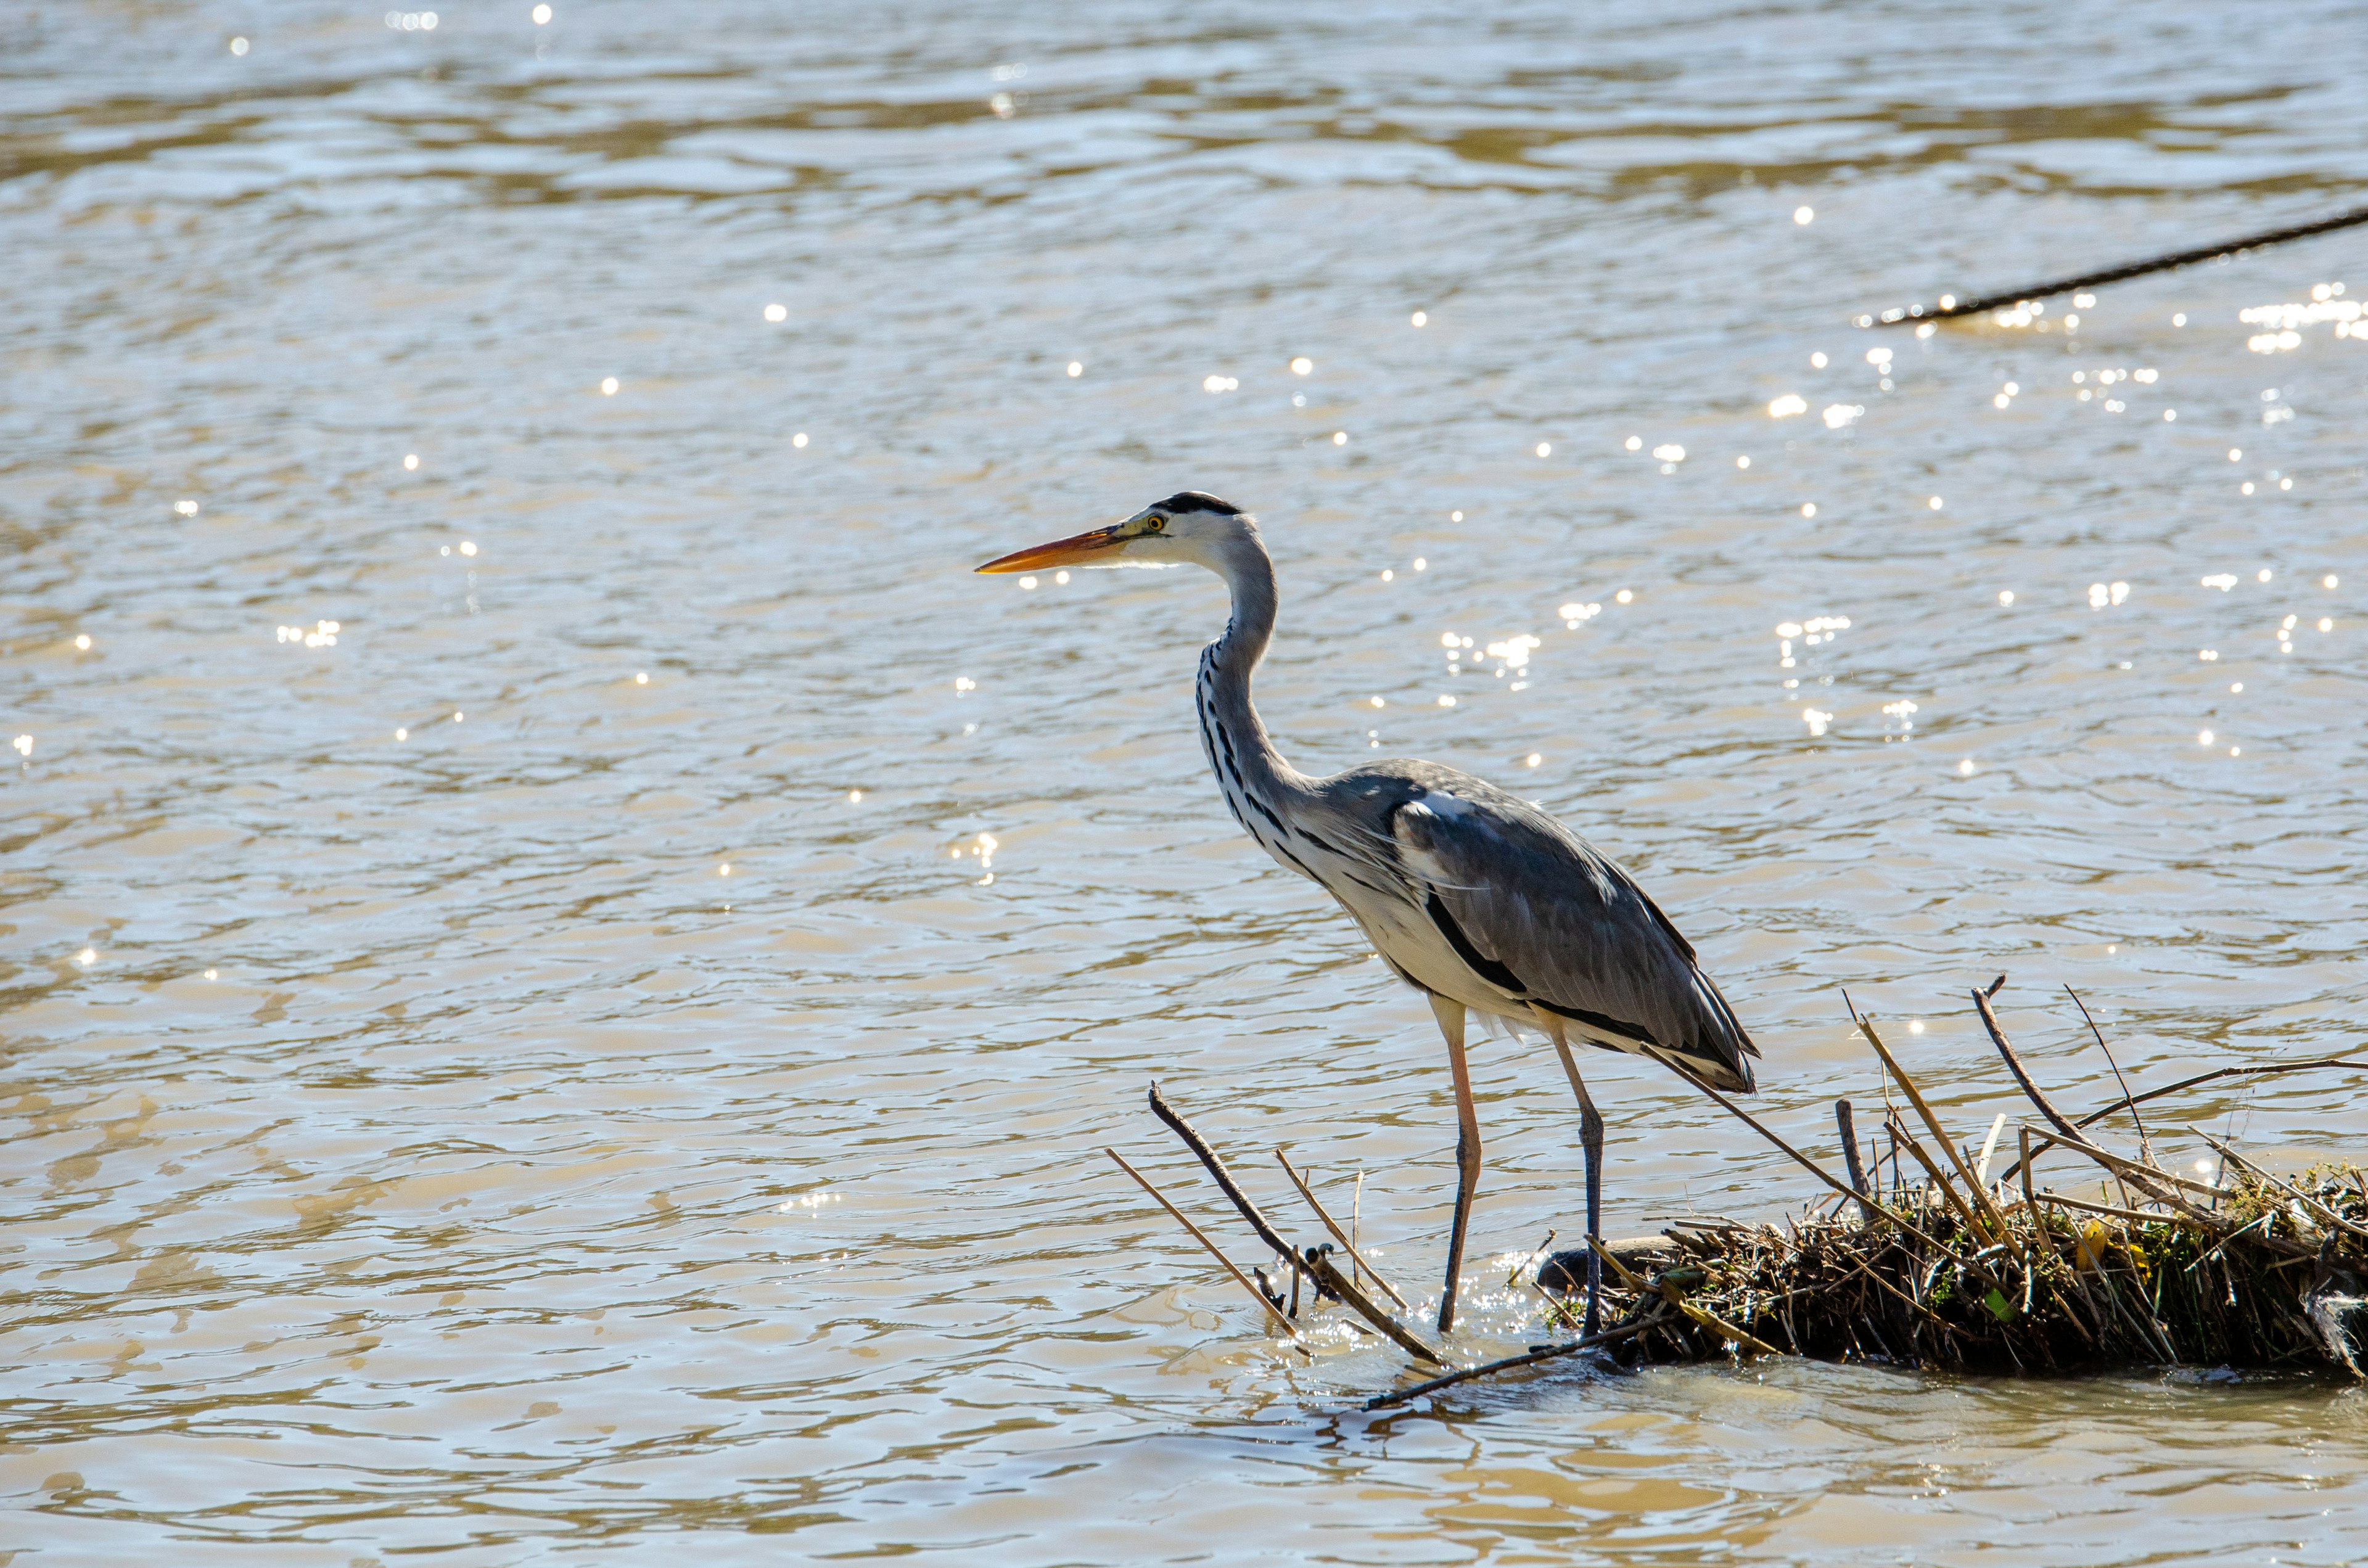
1923,1256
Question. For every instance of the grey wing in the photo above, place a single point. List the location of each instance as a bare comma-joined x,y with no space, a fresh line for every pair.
1540,912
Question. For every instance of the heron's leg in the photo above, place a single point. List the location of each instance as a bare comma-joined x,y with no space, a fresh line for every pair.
1590,1141
1467,1149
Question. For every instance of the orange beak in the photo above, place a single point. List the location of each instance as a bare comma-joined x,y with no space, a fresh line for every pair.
1085,549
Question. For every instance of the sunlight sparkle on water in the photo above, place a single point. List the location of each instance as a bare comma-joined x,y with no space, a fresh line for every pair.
542,15
185,508
24,744
608,385
1545,449
1302,366
777,312
1077,368
81,643
1805,216
410,462
1788,405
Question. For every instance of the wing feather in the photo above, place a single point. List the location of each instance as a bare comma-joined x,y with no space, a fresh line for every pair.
1529,904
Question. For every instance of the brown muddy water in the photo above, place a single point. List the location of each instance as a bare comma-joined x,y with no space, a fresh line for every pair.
419,1148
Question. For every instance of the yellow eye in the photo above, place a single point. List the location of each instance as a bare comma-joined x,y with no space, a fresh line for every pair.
1154,525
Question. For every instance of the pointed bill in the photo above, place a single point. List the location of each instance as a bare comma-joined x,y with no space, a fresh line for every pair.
1091,548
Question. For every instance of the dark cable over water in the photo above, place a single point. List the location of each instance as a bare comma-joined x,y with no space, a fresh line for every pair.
1948,307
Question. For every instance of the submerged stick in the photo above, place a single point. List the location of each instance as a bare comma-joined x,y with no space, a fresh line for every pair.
1161,1198
1216,1167
1338,1234
1675,1298
1952,306
1327,1273
1541,1353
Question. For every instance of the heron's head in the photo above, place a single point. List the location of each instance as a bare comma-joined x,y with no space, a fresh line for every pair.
1186,527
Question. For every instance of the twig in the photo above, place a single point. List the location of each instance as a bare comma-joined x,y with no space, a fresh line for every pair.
1850,1154
1940,1133
1807,1163
1161,1198
1953,307
2230,1155
1216,1167
2082,1204
1327,1273
1338,1234
2146,1149
1675,1298
1543,1352
1938,1177
2265,1070
1989,1147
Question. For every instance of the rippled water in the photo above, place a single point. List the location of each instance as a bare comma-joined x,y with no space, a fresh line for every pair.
418,1144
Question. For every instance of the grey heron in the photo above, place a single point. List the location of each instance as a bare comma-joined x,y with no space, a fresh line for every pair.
1472,895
